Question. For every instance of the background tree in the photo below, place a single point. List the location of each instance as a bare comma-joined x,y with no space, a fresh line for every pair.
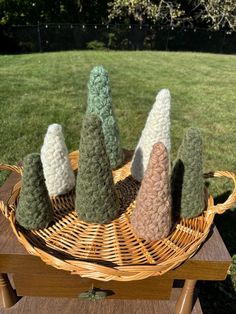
219,13
23,12
163,11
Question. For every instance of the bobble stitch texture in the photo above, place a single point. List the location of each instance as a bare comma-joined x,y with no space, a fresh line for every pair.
157,129
96,199
34,210
60,178
187,181
100,103
151,219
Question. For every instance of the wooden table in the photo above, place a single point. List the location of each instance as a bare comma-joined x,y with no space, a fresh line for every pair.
32,277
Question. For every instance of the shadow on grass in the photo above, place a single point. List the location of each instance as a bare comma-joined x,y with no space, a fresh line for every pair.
220,296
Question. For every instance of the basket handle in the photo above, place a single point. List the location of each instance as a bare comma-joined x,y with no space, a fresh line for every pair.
6,208
231,200
16,169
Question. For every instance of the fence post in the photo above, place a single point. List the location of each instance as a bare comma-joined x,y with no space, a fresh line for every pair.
39,37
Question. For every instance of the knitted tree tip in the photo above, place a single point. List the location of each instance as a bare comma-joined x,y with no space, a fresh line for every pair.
157,129
192,134
98,72
100,103
164,96
91,123
151,219
54,128
34,209
58,173
96,199
187,181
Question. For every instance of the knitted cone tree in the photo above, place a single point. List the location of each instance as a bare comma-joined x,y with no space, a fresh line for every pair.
96,199
157,129
57,169
34,210
151,219
100,103
187,183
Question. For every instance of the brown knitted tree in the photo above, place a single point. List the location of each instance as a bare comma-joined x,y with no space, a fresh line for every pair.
151,219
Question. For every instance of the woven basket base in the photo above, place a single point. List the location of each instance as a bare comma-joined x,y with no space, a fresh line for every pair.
110,251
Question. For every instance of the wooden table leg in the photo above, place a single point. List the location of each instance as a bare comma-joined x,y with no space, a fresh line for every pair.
185,302
8,296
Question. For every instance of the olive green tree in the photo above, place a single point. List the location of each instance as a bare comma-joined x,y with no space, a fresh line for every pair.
96,199
187,183
34,209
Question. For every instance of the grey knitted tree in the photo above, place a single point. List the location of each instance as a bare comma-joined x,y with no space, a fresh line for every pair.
151,219
100,103
96,199
34,210
187,183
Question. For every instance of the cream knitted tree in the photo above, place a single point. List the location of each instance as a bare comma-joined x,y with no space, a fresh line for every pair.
57,169
157,129
151,219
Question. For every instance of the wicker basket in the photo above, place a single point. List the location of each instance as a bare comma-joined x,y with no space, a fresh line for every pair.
112,251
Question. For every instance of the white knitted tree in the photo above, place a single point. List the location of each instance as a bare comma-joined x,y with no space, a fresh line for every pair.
157,129
57,169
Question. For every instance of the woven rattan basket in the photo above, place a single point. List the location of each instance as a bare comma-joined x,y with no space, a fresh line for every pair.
112,251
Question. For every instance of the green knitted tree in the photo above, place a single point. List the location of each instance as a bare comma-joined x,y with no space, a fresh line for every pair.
96,199
187,183
34,210
100,103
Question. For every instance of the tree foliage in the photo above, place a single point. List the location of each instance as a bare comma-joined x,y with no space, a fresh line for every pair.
218,13
51,11
163,11
214,14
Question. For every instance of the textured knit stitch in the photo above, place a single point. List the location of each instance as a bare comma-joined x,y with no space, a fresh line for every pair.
100,103
157,129
34,210
151,219
57,169
96,199
187,183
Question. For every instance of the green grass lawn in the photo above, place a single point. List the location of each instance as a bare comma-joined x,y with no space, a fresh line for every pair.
39,89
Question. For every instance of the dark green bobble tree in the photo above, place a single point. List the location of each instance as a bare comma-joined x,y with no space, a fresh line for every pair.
34,210
100,103
96,199
187,183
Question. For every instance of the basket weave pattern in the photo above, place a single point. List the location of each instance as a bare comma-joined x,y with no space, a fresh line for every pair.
111,251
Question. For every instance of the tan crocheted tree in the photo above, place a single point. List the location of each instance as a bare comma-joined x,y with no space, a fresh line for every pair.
151,219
